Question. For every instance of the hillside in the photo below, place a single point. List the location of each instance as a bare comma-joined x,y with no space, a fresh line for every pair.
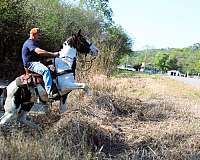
138,117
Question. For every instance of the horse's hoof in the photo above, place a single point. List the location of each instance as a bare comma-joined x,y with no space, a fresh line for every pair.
89,93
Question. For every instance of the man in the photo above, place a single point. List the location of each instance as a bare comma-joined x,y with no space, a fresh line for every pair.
31,56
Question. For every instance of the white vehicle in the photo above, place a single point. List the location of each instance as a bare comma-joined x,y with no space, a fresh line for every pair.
126,67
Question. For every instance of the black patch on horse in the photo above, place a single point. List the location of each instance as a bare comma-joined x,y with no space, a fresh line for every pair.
23,95
1,91
18,97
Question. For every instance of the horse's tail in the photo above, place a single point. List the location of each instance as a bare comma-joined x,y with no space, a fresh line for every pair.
12,101
12,88
3,95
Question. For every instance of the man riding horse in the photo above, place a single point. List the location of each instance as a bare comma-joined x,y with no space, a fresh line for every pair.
31,56
21,97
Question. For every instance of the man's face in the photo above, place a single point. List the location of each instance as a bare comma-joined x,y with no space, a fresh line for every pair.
37,36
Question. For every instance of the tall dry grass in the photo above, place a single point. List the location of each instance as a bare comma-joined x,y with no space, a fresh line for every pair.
138,117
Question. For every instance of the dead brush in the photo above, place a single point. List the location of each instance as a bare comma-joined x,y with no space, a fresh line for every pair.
147,119
87,132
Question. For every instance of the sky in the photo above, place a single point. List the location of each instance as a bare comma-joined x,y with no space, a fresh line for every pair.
159,23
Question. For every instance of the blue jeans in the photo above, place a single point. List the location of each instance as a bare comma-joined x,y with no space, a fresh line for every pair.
41,69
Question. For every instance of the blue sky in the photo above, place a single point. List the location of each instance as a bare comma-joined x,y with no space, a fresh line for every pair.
159,23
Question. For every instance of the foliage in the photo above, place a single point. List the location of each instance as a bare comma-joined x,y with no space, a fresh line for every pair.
58,20
186,60
100,7
12,22
161,61
114,45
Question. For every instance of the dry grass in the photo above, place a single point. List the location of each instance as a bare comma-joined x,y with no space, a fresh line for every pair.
126,118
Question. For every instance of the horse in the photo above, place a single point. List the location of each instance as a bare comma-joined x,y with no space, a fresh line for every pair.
21,96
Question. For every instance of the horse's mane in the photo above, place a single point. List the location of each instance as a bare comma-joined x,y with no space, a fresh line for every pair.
71,42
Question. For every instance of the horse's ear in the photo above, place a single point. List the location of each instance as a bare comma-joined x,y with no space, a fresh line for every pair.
79,32
73,35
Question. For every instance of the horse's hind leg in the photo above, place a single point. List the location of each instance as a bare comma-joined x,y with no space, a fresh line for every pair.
22,117
10,111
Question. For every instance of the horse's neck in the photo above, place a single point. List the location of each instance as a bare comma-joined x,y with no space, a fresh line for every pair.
66,58
68,51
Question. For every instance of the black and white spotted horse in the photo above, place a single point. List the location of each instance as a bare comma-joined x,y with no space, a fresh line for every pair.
21,96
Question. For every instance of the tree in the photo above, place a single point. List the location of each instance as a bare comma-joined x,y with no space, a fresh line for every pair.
58,20
101,8
161,61
171,63
114,45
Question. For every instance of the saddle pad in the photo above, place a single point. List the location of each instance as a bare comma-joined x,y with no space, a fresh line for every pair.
22,81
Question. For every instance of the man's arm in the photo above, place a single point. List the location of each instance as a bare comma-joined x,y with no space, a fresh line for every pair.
46,53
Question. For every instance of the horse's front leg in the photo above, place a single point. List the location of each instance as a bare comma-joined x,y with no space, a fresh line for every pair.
82,86
87,90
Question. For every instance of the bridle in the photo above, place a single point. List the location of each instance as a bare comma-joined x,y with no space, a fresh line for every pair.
85,61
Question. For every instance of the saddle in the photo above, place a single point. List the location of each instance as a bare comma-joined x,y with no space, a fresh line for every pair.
34,78
36,81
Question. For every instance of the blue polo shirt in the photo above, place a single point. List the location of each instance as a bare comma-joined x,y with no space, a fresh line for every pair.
28,53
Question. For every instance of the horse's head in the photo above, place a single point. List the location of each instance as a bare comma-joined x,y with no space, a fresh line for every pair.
82,45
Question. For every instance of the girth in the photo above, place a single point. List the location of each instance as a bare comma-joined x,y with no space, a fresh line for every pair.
36,78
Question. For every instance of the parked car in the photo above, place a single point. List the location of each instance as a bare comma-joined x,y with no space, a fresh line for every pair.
126,67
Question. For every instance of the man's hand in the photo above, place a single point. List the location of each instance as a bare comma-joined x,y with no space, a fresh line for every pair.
27,76
56,54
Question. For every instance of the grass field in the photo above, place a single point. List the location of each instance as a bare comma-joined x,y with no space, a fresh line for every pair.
127,117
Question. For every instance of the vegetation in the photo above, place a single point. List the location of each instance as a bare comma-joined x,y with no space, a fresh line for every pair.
58,20
129,116
142,117
186,60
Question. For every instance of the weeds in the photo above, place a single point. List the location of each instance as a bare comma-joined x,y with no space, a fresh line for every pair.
125,118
